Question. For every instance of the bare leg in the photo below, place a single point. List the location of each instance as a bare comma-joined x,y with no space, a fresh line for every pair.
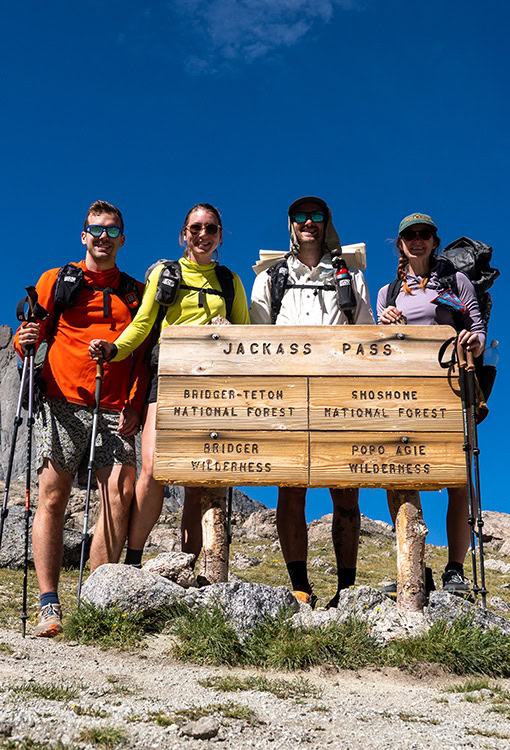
191,523
291,523
148,500
457,527
116,487
345,527
48,527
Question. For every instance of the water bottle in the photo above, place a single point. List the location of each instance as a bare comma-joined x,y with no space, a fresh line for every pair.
343,283
491,355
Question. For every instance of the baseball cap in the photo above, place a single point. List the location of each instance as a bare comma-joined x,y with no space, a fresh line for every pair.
408,221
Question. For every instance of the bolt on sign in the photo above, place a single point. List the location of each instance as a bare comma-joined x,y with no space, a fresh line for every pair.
316,406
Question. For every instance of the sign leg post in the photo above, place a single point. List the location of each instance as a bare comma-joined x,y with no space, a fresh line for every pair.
411,532
214,564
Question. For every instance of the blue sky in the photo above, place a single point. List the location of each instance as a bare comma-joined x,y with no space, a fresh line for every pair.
382,107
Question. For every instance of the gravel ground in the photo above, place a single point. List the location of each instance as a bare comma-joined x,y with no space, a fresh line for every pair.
367,709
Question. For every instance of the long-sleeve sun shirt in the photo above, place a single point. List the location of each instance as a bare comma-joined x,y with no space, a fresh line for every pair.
312,307
68,372
185,310
420,311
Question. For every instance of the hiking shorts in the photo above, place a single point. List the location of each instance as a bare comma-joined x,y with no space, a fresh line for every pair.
63,432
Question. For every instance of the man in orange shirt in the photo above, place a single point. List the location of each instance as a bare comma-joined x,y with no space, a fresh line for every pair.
89,299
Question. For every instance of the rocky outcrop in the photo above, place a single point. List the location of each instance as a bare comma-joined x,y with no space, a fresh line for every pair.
12,552
9,388
496,531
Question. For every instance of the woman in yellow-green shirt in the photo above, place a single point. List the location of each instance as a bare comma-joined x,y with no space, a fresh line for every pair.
200,235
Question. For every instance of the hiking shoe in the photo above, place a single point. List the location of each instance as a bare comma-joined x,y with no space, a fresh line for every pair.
455,583
391,589
49,622
305,598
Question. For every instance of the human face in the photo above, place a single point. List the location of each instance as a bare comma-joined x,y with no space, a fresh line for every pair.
102,251
309,233
418,250
200,245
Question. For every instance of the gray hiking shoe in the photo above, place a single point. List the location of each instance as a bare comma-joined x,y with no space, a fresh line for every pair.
49,622
455,583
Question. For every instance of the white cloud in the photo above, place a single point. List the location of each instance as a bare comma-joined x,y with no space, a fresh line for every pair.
246,30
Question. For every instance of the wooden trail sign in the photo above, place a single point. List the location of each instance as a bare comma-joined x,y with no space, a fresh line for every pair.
317,406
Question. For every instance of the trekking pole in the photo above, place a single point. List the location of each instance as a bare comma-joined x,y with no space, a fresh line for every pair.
461,358
97,401
475,450
35,313
18,420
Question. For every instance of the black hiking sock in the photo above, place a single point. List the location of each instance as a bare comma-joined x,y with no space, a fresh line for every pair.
49,597
346,578
455,566
299,576
133,557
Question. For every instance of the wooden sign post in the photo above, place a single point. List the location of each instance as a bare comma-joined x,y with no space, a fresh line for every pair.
315,406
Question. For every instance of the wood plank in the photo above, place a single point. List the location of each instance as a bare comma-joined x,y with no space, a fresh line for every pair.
418,404
232,458
381,459
232,403
298,350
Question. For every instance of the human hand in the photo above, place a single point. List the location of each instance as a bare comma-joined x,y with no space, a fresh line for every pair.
471,342
129,422
29,334
392,314
100,350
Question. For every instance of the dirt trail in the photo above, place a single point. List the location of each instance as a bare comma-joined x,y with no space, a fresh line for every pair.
367,709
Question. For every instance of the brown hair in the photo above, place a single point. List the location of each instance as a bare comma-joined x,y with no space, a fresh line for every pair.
403,264
205,207
103,207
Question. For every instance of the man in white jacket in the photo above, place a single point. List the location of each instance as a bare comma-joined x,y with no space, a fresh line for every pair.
310,298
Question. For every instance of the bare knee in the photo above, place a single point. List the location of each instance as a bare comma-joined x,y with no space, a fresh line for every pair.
346,499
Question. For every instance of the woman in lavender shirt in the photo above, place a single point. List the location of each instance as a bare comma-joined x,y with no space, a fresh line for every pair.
417,244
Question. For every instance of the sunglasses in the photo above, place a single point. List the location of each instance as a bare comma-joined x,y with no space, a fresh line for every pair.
301,216
209,228
413,234
96,231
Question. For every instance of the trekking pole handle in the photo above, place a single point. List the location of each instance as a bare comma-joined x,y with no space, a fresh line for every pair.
461,355
470,367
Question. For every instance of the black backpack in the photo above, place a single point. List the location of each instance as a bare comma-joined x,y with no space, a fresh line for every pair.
170,281
279,276
470,257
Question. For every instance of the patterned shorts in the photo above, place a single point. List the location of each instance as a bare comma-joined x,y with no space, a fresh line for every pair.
63,431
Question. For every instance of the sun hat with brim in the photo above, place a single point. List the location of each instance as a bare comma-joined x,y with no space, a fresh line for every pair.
408,221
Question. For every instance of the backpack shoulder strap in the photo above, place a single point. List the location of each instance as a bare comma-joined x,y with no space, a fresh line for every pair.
226,279
393,292
128,291
279,276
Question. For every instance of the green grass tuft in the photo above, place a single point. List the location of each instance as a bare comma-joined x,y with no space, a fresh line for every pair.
206,638
49,692
298,688
103,736
26,743
461,648
106,627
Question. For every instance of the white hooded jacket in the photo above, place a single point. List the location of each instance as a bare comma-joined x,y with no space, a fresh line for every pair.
310,306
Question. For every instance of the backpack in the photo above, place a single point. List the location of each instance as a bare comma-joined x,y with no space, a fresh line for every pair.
170,281
71,280
279,276
469,257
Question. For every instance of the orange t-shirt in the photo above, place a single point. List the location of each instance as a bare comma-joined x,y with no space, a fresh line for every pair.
68,371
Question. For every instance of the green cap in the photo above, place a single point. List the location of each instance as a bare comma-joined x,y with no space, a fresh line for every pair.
408,221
